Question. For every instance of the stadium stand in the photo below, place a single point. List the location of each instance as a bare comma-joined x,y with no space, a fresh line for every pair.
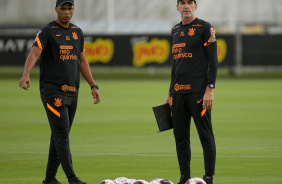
147,16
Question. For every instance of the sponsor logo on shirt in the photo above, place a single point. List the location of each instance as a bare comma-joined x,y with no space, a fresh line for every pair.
185,87
183,55
213,39
65,53
177,51
176,48
68,88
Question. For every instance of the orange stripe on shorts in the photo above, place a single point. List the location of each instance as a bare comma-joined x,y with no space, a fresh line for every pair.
204,111
53,110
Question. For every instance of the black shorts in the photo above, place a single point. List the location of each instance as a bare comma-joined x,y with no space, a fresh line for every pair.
185,106
60,108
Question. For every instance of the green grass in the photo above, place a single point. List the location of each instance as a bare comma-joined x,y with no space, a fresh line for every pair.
118,137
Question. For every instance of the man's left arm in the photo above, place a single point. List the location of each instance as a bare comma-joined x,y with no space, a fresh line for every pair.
86,73
211,51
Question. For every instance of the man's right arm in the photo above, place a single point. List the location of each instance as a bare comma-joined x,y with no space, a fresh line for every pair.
29,64
167,100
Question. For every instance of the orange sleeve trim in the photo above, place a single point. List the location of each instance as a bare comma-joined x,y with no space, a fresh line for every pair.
39,43
53,110
208,42
204,111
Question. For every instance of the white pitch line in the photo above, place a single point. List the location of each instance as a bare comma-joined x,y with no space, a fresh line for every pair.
251,148
22,159
140,154
24,152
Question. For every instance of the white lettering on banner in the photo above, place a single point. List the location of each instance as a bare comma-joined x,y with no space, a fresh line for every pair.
10,46
18,45
21,44
29,44
1,45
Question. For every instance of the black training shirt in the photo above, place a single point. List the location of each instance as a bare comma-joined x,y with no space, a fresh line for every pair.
60,59
194,50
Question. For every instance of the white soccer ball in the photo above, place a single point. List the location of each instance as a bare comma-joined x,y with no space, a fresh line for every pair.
141,182
156,181
196,181
165,181
107,181
128,181
120,180
160,181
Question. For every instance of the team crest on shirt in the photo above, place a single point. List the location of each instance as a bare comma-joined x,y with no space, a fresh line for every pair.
74,35
191,32
58,102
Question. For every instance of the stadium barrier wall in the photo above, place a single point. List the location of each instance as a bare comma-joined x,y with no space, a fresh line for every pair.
148,50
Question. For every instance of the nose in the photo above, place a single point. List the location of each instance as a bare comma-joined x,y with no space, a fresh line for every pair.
186,5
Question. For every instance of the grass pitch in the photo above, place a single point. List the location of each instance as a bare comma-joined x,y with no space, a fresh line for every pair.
118,137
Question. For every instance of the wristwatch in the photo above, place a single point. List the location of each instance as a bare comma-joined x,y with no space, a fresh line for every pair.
95,86
211,85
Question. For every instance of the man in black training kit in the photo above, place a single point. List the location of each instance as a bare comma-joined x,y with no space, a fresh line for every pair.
193,78
61,47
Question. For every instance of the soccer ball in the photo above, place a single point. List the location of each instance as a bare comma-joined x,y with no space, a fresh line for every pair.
164,181
120,180
155,181
107,181
196,181
141,182
128,181
160,181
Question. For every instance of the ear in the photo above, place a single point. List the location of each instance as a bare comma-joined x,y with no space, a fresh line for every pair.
56,9
177,6
196,6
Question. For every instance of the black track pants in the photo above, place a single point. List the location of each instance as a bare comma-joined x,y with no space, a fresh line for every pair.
60,110
183,107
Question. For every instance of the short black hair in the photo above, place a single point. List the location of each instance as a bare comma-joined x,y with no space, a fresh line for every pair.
180,0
